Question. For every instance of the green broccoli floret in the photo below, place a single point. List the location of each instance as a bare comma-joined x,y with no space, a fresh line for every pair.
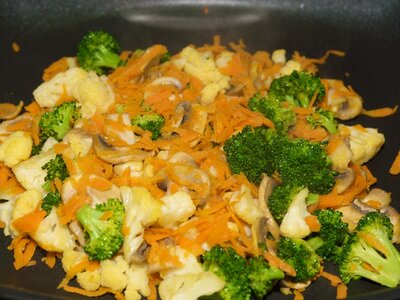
152,122
104,236
165,57
248,152
329,240
50,200
98,51
56,168
232,268
304,163
301,256
57,122
262,276
272,108
323,118
369,252
298,88
281,198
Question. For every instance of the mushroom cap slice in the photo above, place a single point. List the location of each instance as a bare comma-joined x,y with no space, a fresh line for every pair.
117,155
9,111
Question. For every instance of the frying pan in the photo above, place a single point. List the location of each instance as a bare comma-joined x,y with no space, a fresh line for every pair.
368,31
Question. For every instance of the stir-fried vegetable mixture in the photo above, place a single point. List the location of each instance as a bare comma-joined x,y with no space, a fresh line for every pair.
209,172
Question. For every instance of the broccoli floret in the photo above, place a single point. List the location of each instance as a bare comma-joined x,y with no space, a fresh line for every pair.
165,57
152,122
304,163
298,88
262,276
259,150
104,236
56,168
98,51
281,198
50,200
323,118
230,267
329,240
282,117
248,152
57,122
369,252
298,254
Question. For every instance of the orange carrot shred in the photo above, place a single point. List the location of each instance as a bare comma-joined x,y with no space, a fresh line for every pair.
298,295
312,222
341,292
279,263
395,168
380,112
29,222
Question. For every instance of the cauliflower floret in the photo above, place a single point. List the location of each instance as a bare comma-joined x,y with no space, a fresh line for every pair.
6,209
223,59
71,258
93,93
26,203
49,144
29,173
138,282
176,208
293,224
48,93
125,133
364,142
279,56
112,273
246,207
79,141
190,286
290,66
16,148
202,66
142,210
89,280
53,236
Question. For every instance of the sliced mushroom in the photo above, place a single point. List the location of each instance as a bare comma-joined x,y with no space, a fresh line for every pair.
117,155
351,108
9,111
267,222
344,180
363,207
183,110
296,285
351,215
141,253
377,198
182,158
77,230
168,81
341,155
394,217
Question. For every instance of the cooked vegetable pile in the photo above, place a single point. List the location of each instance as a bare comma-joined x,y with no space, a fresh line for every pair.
212,172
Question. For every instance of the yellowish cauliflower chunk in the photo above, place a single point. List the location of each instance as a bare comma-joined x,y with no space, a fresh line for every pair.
112,273
16,148
176,209
246,206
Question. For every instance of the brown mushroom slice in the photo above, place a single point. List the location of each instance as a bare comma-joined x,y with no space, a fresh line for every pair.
9,111
141,253
341,155
296,285
351,215
165,80
344,180
351,108
117,155
394,217
268,224
77,230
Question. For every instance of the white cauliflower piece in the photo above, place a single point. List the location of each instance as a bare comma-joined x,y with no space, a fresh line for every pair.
48,93
138,282
112,273
48,144
93,93
365,143
142,210
290,66
89,280
176,208
202,66
189,263
125,134
223,59
29,173
53,236
71,258
6,209
190,286
293,224
246,207
80,141
16,148
279,56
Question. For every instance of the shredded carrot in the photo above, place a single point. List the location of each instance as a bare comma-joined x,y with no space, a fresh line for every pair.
395,168
24,249
341,292
33,108
29,222
373,242
380,112
56,67
279,263
298,295
15,47
335,280
312,222
152,288
2,224
100,292
50,259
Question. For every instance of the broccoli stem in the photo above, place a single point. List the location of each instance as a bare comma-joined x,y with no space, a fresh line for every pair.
107,58
90,220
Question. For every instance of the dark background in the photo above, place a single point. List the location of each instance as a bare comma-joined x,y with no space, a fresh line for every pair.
368,31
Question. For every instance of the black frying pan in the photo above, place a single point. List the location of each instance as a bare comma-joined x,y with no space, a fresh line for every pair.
368,31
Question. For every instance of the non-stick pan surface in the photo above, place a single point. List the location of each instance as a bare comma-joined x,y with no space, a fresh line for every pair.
368,31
